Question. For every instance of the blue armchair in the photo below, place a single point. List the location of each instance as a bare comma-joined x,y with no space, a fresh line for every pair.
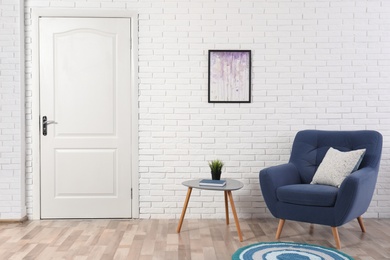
289,195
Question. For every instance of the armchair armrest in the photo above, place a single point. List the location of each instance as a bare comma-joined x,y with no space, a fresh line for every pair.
274,177
355,194
280,175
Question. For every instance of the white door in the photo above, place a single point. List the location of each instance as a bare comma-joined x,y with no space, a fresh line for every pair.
85,89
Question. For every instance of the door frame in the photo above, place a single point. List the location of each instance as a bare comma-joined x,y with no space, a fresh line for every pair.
35,121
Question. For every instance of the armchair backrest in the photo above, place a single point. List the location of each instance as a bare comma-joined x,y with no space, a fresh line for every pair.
310,147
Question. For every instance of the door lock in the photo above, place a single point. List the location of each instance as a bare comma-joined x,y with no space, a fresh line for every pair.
45,123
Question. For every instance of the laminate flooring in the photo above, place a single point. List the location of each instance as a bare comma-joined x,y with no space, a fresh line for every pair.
157,239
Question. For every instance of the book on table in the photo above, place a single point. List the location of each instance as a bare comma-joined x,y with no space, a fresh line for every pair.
214,183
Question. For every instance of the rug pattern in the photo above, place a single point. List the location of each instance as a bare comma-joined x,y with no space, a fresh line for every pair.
287,251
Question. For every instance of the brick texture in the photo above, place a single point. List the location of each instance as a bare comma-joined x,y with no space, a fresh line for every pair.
12,194
315,65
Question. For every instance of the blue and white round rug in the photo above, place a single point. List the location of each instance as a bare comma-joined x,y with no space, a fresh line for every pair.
287,251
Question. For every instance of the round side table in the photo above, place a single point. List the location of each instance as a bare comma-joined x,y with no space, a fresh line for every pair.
227,189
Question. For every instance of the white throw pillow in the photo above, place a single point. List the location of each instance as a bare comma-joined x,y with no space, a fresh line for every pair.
336,166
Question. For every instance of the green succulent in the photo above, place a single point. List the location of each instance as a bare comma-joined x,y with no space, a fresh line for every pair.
216,165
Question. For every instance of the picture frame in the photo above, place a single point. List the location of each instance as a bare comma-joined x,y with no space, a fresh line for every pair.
229,76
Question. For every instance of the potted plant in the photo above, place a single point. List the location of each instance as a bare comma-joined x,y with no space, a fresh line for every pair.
216,169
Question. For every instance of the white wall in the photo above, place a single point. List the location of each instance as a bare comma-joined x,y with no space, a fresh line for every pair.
316,65
12,179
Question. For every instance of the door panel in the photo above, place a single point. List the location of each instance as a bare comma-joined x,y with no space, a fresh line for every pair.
75,167
76,67
85,88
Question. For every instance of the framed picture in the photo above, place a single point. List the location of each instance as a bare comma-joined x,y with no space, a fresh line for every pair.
229,76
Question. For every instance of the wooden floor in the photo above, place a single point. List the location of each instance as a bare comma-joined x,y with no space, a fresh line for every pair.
157,239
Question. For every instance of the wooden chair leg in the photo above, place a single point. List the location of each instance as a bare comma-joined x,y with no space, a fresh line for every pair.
362,227
336,237
280,227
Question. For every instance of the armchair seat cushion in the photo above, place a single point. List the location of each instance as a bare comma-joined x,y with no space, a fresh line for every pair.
308,194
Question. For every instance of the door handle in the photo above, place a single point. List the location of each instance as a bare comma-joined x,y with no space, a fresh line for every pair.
45,123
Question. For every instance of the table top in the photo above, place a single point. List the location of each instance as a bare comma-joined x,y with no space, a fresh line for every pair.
230,185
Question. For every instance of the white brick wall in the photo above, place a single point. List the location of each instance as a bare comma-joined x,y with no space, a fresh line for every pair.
12,195
316,65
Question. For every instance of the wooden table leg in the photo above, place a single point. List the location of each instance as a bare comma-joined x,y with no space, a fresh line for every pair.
226,207
235,215
184,210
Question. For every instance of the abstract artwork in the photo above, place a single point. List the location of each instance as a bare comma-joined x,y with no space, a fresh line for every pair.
229,76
